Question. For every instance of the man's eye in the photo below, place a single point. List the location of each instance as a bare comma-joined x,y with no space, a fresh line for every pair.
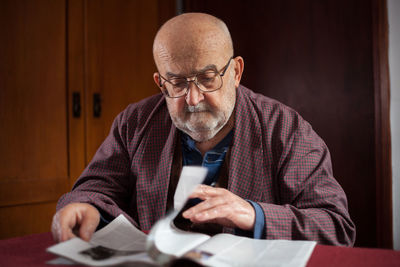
179,83
206,77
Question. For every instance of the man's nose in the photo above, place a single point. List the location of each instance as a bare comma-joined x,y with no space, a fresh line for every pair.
194,96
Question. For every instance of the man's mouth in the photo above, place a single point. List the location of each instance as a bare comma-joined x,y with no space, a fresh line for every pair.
196,109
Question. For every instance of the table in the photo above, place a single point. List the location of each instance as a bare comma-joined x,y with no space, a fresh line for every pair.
30,251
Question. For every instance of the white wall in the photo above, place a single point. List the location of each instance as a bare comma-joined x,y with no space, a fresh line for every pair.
394,67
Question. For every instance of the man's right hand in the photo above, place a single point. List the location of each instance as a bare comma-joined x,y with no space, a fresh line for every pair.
75,219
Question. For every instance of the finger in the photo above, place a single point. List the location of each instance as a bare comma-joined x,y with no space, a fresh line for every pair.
60,226
66,234
214,214
55,228
205,191
89,223
67,222
239,214
203,206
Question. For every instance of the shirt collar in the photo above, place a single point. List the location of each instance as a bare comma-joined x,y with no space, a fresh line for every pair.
190,144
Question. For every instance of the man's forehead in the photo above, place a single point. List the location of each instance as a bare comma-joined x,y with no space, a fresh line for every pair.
181,65
189,54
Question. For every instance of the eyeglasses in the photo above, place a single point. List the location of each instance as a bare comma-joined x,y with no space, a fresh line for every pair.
207,81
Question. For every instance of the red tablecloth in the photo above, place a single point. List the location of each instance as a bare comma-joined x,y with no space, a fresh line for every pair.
30,251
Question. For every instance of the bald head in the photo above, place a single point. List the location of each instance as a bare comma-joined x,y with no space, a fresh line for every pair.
186,36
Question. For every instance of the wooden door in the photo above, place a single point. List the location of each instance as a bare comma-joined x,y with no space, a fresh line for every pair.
55,55
33,119
318,57
119,63
110,66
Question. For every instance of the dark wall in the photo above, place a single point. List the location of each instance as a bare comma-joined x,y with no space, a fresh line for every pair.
315,56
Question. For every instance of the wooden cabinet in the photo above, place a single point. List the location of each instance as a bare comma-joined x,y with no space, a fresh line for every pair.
33,114
49,51
110,62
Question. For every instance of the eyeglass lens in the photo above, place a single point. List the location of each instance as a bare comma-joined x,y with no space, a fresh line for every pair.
206,81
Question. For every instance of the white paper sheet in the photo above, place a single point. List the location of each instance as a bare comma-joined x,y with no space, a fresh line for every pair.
120,234
230,250
191,176
166,238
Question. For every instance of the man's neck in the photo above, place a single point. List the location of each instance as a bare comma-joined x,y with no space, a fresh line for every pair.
205,146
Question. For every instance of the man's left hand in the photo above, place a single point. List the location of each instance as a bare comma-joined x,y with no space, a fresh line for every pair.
222,207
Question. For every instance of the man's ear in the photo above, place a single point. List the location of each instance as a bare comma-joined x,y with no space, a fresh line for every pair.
238,67
157,80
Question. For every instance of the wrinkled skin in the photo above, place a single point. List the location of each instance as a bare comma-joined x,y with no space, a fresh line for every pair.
75,219
221,206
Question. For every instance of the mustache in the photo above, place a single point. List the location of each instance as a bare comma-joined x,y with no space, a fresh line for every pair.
201,107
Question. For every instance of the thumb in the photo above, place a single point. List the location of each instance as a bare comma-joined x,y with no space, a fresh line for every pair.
89,223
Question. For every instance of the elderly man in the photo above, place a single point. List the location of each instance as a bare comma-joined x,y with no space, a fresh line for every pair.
273,173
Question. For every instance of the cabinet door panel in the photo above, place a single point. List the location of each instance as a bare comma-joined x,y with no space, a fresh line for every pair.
33,119
119,63
37,216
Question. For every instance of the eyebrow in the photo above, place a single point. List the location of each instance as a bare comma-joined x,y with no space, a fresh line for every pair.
206,68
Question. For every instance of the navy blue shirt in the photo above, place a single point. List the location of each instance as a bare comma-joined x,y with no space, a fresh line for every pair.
213,160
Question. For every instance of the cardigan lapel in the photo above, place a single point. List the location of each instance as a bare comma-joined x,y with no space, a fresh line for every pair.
245,169
156,163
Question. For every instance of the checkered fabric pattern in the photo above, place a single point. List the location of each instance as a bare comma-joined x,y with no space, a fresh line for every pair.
276,160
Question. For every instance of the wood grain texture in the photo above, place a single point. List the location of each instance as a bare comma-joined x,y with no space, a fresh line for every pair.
49,50
32,96
119,62
109,53
33,118
166,10
26,219
33,137
76,84
32,190
384,219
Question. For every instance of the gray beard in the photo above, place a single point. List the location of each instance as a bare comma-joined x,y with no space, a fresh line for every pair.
201,136
196,134
211,129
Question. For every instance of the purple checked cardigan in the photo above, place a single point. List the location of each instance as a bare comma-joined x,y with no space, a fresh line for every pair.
276,160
